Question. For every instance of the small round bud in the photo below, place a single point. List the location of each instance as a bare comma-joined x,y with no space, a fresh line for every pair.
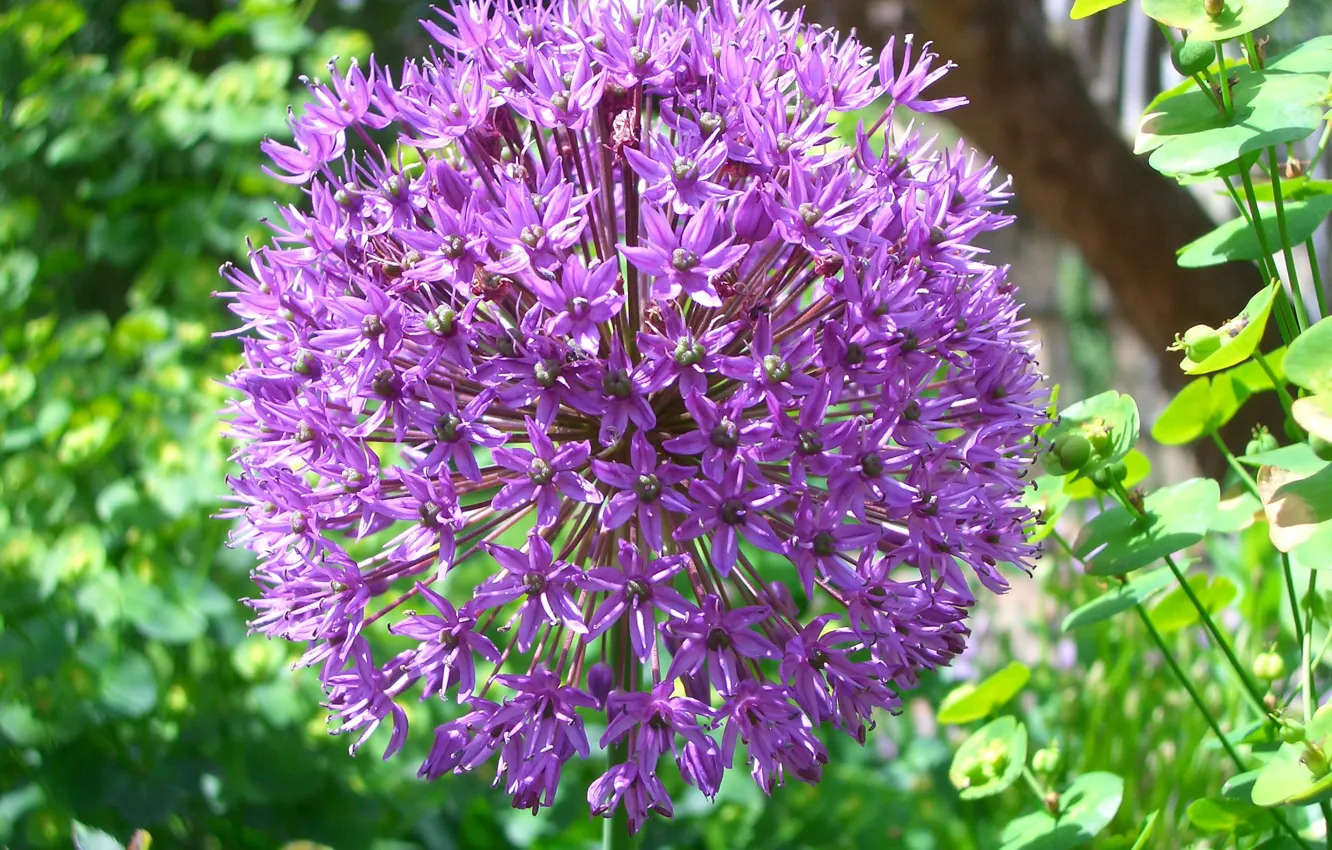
1118,471
1316,760
1262,441
1200,341
1292,732
1192,57
1045,760
1269,666
1322,448
1073,450
1098,433
1214,8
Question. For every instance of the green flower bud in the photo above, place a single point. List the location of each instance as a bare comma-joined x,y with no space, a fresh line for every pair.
1098,433
1045,760
1192,57
1262,441
1269,666
1073,450
1320,447
1316,760
1200,341
1214,8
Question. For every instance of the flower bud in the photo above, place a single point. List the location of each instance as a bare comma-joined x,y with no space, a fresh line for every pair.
1192,57
1074,450
1269,666
1262,441
600,679
1045,760
1214,8
1098,433
1316,760
1200,341
752,222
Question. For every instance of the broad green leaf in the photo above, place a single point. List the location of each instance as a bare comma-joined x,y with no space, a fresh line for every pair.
88,838
1310,57
1251,375
1115,542
1176,611
1300,188
1087,8
1118,413
1237,17
1295,504
1085,808
1118,600
1297,457
1139,466
1186,132
1315,552
1148,828
1236,240
1309,360
1203,406
128,685
1240,786
1245,343
1218,814
991,759
1284,780
1314,414
1238,510
972,702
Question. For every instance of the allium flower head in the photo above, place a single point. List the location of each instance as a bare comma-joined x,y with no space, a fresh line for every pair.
599,376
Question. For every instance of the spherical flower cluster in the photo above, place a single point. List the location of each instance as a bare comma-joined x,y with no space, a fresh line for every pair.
597,297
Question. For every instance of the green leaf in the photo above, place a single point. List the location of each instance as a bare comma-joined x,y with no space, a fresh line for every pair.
88,838
128,685
1115,542
1299,188
1176,611
18,269
1309,360
1297,457
1237,511
1242,346
1240,786
1199,409
1236,240
1312,553
1087,8
1314,414
1310,57
1120,415
1148,827
1285,779
1085,808
991,759
1218,814
1186,133
1237,18
1118,600
972,702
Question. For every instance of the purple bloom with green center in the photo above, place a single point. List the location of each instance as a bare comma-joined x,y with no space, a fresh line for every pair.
531,394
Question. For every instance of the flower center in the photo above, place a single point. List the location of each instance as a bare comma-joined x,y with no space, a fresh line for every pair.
647,488
732,511
560,101
617,384
809,442
784,142
776,368
453,247
531,235
684,168
718,638
810,214
682,259
578,306
689,352
725,435
855,354
546,372
818,659
871,465
446,427
372,325
824,544
711,122
352,481
429,514
539,472
383,384
637,590
534,582
441,321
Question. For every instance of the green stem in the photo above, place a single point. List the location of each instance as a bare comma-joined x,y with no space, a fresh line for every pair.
1226,100
1301,309
1293,598
1319,292
1209,624
1033,784
1243,473
1256,223
1281,391
1318,152
1207,715
1307,645
1326,808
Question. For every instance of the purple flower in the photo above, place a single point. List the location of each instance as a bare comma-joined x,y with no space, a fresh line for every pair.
646,490
548,474
607,279
633,591
721,638
540,581
728,511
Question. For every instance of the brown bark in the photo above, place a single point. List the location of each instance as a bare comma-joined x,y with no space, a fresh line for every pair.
1031,110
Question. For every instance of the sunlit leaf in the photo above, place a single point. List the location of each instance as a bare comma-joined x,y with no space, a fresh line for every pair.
1118,542
990,760
1236,240
1295,504
1118,600
1176,610
1087,8
972,702
1242,346
1309,359
1237,17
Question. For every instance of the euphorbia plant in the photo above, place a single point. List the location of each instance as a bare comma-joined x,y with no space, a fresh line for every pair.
582,314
